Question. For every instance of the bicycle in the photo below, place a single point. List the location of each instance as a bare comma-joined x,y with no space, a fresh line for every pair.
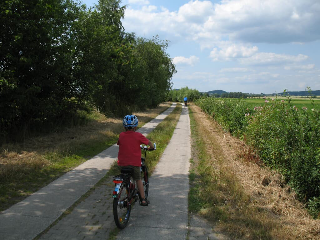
125,193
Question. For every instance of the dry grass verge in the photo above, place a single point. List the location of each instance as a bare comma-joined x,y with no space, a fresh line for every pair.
26,167
243,198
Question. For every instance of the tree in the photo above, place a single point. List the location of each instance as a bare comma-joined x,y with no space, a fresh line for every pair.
57,57
155,71
35,61
99,51
178,95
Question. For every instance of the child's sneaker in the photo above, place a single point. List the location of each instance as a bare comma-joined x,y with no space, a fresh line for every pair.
144,202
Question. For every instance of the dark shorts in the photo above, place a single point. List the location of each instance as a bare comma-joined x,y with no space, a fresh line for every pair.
136,172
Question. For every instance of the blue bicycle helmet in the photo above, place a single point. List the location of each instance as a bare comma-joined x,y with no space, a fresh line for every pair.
130,121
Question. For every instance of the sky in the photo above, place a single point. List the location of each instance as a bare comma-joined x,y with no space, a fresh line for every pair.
249,46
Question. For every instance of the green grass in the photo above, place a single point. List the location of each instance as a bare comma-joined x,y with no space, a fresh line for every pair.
161,135
195,200
216,194
27,167
298,102
28,178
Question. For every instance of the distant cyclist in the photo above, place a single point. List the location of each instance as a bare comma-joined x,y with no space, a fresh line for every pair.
185,101
130,153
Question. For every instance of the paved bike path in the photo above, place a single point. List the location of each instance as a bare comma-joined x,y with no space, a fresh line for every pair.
28,218
167,215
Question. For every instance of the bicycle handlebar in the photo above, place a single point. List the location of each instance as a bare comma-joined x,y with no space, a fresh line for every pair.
146,148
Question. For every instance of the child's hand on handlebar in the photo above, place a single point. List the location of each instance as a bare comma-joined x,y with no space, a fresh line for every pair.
148,148
154,147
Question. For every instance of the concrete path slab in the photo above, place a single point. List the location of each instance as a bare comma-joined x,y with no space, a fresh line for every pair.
28,218
167,215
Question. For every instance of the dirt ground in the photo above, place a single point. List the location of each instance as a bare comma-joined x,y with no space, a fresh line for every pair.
266,188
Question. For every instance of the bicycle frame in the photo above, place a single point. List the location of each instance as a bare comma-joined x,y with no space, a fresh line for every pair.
126,193
123,178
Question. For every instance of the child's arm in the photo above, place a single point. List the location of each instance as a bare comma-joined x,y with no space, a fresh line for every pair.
151,145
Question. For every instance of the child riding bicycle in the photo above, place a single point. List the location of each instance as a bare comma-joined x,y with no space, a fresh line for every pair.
185,99
130,153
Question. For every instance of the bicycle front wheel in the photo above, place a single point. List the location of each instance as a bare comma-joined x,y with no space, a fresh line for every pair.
145,180
121,208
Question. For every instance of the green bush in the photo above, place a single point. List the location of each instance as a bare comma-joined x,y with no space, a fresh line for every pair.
285,137
314,206
231,114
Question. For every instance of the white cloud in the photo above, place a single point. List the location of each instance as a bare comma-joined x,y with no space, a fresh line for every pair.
149,21
149,8
273,58
271,21
232,51
223,80
197,11
232,70
186,61
300,67
249,55
250,21
141,2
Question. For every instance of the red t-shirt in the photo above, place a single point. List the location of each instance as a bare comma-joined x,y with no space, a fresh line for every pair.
129,148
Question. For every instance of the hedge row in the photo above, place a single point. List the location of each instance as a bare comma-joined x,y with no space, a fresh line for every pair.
285,137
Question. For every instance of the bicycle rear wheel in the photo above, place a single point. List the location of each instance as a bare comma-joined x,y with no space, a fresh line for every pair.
122,208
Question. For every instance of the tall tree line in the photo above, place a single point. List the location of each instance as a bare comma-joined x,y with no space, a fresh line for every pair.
179,94
58,57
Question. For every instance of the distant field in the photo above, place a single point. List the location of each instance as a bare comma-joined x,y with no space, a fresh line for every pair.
295,101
